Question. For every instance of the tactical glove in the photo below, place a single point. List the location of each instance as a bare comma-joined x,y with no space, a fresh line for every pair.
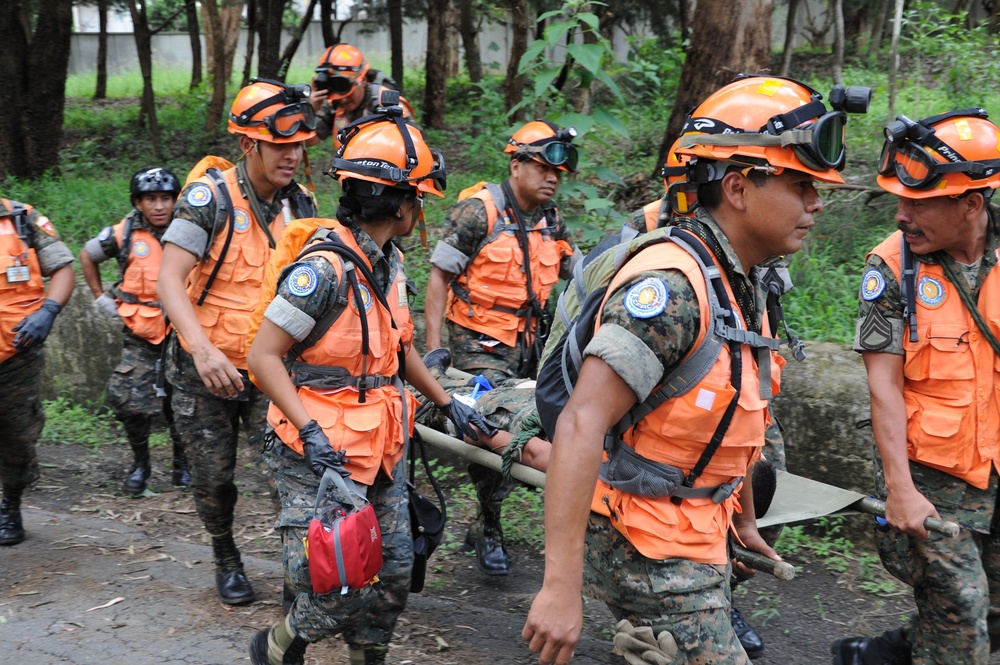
439,357
318,452
106,305
34,328
465,417
640,647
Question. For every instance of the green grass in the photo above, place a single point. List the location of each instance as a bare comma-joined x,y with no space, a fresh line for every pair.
67,421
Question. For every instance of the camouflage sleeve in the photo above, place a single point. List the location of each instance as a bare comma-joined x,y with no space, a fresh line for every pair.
648,326
52,252
324,121
636,221
466,226
194,218
881,325
307,294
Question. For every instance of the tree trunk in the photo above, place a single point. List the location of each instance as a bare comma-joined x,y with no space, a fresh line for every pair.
33,79
144,51
231,15
738,40
435,90
191,12
469,29
395,8
295,41
786,55
879,8
685,13
514,85
215,50
326,16
269,30
251,38
837,7
101,89
897,23
454,37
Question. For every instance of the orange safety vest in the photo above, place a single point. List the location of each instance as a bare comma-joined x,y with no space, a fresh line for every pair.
17,299
491,296
225,313
679,430
138,304
370,433
951,382
651,214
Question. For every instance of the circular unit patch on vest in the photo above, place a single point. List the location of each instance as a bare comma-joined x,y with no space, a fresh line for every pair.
104,234
366,298
931,292
199,196
872,284
140,248
647,298
241,221
302,282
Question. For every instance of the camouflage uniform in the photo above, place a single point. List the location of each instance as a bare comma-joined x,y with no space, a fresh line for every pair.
209,425
326,117
363,616
956,581
21,415
471,351
690,600
130,392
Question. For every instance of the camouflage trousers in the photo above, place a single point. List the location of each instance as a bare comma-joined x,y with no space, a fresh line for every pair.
494,361
364,616
209,429
690,600
131,394
21,418
956,581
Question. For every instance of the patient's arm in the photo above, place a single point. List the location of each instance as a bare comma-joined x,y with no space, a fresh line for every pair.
535,454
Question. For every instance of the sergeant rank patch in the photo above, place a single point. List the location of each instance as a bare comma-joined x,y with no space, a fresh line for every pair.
876,331
647,298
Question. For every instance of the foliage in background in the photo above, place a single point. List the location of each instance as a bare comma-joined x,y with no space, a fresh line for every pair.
67,421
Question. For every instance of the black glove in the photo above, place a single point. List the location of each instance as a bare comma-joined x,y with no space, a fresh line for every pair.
319,455
439,357
34,328
465,417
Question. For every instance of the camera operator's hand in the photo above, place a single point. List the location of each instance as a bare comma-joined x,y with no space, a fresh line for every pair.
34,328
107,306
317,97
318,452
466,419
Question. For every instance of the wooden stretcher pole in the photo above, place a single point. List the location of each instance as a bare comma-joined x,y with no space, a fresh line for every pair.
876,507
480,456
780,569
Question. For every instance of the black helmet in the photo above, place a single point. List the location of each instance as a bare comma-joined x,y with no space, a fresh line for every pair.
154,179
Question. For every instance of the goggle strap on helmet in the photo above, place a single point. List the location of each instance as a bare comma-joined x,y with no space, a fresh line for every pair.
783,140
395,173
780,123
284,97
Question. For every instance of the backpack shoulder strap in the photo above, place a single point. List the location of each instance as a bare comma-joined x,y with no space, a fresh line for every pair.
19,215
125,247
908,286
223,215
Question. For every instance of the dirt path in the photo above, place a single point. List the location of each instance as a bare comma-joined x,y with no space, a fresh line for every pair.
111,580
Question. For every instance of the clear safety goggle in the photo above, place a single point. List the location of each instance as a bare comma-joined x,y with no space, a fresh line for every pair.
556,153
907,154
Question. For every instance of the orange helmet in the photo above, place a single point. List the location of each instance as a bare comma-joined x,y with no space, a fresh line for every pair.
390,152
271,111
341,68
546,143
944,155
771,123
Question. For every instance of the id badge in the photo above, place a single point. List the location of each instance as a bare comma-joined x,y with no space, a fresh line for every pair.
18,274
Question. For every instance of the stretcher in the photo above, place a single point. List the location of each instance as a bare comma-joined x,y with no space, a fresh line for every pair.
787,507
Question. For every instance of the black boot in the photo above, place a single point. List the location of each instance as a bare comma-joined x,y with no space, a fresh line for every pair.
135,482
890,648
262,643
11,529
487,535
752,644
233,585
180,477
370,655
